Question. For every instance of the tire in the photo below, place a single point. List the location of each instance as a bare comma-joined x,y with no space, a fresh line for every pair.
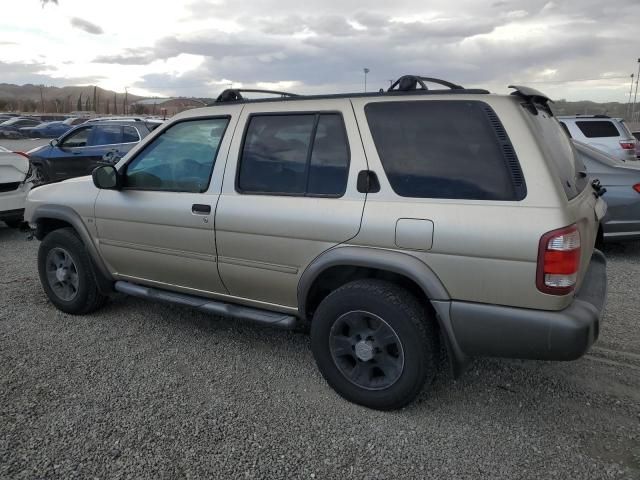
71,287
391,358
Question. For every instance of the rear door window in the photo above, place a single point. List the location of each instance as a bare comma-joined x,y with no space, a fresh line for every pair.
297,154
106,135
598,128
445,149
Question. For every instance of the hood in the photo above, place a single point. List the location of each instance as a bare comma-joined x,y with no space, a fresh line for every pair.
13,167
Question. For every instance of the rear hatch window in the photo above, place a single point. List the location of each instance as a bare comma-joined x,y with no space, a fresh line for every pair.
557,147
598,129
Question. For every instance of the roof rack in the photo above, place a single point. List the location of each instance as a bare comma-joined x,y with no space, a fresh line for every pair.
407,83
235,94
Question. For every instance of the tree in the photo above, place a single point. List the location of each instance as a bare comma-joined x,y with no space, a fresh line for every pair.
115,103
87,104
107,107
79,104
95,98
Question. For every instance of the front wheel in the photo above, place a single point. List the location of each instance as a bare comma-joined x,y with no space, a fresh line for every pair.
374,343
66,273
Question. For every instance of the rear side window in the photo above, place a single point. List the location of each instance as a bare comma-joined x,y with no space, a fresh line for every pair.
445,149
130,135
300,154
598,129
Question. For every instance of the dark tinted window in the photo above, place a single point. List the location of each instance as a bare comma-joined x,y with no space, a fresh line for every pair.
106,135
282,155
445,149
329,165
130,135
598,128
180,159
637,135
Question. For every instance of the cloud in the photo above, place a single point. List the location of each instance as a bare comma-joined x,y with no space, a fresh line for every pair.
130,56
197,46
86,25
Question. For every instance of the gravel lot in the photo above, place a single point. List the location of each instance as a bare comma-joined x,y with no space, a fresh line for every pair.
143,390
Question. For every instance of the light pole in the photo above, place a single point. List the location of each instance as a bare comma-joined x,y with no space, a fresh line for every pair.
635,95
629,102
366,70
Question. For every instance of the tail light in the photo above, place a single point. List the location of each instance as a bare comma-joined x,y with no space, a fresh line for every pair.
22,153
628,145
636,187
559,261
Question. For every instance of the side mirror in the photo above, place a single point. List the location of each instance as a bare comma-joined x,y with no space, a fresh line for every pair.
106,177
54,142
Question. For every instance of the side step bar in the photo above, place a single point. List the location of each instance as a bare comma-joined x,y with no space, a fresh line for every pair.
263,317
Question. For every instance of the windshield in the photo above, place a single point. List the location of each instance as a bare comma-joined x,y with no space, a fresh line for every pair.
10,122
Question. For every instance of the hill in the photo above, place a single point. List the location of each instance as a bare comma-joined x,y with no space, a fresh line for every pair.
30,98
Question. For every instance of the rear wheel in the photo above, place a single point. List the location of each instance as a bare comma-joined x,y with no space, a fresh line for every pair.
66,273
374,344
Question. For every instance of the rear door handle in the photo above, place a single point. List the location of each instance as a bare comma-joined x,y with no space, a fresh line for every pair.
201,209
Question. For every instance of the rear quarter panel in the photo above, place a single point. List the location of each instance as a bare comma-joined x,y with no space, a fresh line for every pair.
482,251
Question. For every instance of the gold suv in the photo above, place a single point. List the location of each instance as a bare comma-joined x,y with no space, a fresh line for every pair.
400,224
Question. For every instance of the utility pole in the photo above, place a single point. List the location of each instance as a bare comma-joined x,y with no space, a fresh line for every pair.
629,102
41,98
126,97
366,70
635,95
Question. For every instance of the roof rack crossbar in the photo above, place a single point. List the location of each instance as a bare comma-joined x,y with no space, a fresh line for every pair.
235,94
411,82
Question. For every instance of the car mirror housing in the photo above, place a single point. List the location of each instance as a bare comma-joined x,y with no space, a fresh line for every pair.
106,177
54,142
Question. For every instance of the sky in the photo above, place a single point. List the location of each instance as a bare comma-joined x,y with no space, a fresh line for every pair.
571,49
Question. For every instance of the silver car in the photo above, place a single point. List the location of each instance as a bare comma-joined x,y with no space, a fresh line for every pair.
622,181
610,135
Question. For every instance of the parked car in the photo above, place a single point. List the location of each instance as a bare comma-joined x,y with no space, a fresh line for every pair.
46,130
622,181
391,221
637,137
151,122
611,135
14,186
81,149
11,128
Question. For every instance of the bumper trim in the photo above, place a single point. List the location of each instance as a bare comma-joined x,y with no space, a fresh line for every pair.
501,331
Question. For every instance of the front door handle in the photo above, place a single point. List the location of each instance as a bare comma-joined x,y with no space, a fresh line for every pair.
201,209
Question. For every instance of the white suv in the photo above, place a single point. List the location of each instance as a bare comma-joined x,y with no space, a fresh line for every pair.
607,134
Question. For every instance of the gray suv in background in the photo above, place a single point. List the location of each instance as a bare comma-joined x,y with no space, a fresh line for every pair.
610,135
400,224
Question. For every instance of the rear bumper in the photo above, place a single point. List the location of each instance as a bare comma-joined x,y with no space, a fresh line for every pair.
499,331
